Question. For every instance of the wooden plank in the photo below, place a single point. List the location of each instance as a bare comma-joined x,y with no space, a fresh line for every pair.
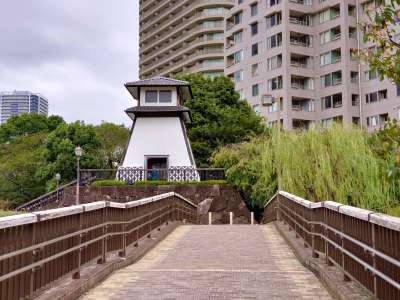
17,220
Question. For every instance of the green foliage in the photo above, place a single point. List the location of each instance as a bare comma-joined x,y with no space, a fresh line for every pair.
60,155
114,139
335,164
108,182
20,161
381,30
27,124
220,117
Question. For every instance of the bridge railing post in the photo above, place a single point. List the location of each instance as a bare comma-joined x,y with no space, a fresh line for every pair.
122,253
230,218
77,273
252,218
209,218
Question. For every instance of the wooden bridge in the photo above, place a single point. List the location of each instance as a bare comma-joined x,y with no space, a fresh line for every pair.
62,253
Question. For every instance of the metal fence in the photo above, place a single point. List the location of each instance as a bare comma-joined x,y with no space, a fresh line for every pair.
132,175
363,244
38,248
50,197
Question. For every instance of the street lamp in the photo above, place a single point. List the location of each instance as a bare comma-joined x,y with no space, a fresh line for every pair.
270,100
78,154
58,178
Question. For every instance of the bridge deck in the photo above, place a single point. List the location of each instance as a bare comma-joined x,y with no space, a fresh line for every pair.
215,262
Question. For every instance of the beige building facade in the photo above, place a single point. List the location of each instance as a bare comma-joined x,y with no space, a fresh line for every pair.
299,52
182,36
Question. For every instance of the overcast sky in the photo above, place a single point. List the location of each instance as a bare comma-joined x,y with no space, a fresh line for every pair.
77,53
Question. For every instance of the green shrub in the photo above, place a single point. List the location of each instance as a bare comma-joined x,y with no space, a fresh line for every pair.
335,164
164,182
108,182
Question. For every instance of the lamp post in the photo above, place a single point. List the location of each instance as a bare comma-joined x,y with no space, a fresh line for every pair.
78,154
58,178
269,100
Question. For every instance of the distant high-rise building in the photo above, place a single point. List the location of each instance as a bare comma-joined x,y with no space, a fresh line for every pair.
182,36
21,102
300,55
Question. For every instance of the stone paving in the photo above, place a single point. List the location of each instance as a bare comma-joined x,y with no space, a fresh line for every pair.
215,262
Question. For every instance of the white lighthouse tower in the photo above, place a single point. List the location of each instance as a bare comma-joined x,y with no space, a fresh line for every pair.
158,146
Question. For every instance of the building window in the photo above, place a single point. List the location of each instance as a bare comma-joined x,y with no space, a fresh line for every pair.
331,101
331,79
273,2
151,97
376,96
254,70
273,20
355,101
165,97
238,76
254,28
254,49
214,36
274,62
238,37
237,18
329,35
256,108
253,9
240,94
329,14
275,83
371,75
274,41
238,56
254,90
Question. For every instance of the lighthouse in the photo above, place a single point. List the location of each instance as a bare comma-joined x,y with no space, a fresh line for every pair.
158,146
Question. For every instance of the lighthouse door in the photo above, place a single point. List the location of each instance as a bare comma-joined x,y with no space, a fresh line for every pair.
157,168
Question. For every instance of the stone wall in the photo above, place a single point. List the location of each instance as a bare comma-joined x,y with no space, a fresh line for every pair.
224,198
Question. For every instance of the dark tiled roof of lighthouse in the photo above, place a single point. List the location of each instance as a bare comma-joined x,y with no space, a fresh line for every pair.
183,86
157,111
157,81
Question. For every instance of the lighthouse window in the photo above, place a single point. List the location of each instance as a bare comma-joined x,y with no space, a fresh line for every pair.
151,96
165,97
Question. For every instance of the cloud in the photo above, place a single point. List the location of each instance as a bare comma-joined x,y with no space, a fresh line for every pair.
76,53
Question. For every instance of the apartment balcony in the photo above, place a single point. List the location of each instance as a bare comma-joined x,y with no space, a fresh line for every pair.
302,86
300,40
178,23
302,2
303,104
299,18
301,61
301,124
171,65
174,38
186,48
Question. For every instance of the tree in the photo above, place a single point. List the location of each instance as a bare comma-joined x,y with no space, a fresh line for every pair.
219,116
19,164
382,30
59,153
27,124
114,138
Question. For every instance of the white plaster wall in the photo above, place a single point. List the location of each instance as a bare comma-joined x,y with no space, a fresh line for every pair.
157,136
174,95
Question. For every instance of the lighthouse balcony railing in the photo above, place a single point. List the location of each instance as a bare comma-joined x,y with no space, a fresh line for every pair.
131,175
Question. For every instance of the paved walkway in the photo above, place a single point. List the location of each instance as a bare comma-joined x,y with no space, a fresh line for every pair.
215,262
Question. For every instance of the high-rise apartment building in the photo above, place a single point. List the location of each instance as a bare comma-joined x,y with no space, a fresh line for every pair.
179,36
299,52
20,102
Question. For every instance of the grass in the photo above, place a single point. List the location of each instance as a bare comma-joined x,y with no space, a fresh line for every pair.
156,183
6,213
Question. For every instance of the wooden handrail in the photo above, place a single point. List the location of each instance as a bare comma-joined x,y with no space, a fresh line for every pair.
365,245
38,248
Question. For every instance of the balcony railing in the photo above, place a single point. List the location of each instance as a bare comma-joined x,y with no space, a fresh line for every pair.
298,64
302,2
295,42
299,21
